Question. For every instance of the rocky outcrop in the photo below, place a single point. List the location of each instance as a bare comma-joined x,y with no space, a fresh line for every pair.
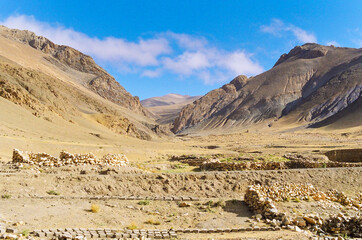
310,84
303,52
103,83
209,104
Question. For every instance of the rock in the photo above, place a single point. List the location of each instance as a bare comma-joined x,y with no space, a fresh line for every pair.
286,221
184,204
258,217
310,220
297,229
11,236
11,230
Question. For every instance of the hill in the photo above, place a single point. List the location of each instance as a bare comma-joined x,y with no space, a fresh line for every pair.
58,87
167,107
307,86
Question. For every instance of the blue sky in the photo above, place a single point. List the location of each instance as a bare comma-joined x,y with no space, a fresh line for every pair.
189,47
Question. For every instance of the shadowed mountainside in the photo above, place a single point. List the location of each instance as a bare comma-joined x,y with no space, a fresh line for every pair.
308,85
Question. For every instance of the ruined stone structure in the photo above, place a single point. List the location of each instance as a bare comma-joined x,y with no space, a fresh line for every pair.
261,199
65,158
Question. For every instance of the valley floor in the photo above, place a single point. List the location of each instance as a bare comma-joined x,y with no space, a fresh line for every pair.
148,194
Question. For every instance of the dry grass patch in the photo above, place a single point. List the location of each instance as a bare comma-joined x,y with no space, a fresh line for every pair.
53,192
132,226
153,222
95,208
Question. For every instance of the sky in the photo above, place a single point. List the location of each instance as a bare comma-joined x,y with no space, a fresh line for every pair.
188,47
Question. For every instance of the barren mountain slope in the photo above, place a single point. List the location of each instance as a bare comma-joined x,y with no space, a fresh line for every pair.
167,107
101,82
168,99
311,83
53,93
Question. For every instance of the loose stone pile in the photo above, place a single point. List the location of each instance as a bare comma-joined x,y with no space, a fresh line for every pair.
217,165
261,199
65,158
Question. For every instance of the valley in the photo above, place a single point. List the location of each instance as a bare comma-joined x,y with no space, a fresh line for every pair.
277,154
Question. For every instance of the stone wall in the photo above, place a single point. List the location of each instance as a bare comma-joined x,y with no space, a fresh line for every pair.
345,155
261,199
65,158
216,165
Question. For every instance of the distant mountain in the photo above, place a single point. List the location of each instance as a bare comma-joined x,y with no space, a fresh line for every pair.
167,107
169,99
307,86
57,88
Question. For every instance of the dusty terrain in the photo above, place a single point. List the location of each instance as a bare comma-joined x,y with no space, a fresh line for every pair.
152,175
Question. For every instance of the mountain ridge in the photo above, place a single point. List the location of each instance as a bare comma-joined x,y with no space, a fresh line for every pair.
296,78
102,83
51,91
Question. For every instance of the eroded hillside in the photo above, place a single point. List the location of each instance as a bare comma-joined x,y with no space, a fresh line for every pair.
308,85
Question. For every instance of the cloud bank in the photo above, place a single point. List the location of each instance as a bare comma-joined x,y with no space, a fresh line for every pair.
277,28
180,54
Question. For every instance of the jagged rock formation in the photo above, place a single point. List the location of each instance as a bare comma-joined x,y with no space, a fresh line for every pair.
309,84
102,83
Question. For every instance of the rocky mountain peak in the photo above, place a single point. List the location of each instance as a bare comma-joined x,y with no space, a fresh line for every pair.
306,51
309,84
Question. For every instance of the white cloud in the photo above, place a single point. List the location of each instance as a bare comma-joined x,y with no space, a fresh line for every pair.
334,43
278,27
152,73
180,54
143,52
303,36
187,62
187,41
275,27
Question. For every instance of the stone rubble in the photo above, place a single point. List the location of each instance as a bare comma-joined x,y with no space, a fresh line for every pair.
65,158
261,199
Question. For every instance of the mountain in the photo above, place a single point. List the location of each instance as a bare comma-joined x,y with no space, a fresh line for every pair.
169,99
101,82
307,86
167,107
58,87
